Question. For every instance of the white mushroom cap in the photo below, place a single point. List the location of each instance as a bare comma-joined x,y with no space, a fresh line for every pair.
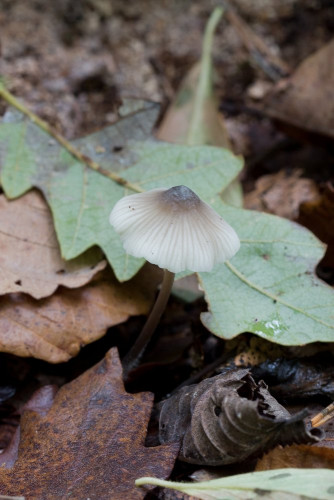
174,229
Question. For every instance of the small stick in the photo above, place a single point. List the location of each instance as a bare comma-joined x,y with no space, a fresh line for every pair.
11,99
272,65
324,416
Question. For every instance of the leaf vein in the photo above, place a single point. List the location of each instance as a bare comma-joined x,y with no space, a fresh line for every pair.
273,297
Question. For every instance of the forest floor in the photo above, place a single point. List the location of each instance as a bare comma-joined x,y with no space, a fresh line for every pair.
72,63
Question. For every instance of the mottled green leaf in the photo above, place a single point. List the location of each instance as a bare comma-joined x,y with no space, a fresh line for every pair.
279,484
269,287
81,199
18,159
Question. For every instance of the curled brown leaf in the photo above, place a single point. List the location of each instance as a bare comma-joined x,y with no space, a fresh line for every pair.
227,419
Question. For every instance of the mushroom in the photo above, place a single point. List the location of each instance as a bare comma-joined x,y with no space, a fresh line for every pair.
174,229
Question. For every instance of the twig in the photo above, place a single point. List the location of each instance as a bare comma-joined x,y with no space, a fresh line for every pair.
324,416
11,99
272,65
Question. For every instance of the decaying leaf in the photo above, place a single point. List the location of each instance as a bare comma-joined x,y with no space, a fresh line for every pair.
298,378
55,328
297,456
86,443
291,484
30,259
227,419
281,193
306,98
318,216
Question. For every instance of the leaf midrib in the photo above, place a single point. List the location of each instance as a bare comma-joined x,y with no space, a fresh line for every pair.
273,297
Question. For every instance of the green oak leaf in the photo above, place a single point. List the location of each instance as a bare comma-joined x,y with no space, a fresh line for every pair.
81,198
279,484
269,287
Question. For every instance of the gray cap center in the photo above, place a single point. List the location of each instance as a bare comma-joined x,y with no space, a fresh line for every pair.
180,198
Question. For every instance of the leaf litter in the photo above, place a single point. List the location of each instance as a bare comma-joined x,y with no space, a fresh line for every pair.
98,148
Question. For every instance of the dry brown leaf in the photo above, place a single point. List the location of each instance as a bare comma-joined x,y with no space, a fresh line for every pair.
30,259
297,456
54,329
318,216
306,99
86,443
281,194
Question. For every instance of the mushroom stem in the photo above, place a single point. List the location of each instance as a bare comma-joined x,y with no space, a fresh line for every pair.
133,357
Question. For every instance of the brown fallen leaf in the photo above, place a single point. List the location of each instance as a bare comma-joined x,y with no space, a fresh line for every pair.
54,329
281,194
318,216
297,456
229,418
306,99
86,443
30,260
